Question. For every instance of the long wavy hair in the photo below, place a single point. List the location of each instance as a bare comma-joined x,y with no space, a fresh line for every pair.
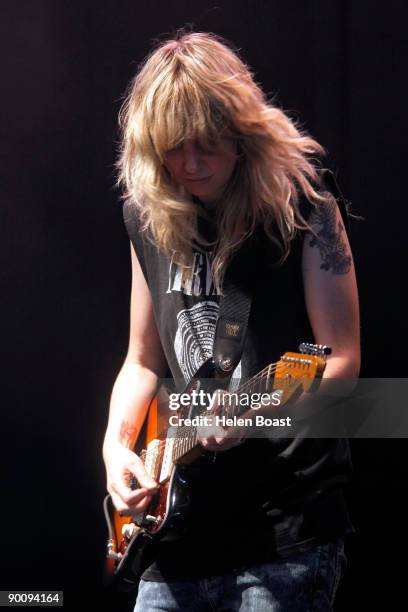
197,86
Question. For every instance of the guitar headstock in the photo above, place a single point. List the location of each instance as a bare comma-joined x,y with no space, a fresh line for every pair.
300,371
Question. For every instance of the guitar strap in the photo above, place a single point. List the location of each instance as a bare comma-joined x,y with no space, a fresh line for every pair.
232,320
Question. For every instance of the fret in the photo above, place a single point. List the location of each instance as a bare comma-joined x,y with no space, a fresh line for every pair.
268,382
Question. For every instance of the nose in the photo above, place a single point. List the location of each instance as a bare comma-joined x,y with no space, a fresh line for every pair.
191,158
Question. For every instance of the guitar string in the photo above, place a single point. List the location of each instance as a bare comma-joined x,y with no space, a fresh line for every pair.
185,440
191,439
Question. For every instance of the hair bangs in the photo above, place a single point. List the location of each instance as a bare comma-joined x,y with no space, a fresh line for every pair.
184,111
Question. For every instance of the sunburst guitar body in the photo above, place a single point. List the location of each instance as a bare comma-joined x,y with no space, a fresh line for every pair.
172,456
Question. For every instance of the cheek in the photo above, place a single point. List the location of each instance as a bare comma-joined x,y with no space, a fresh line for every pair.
224,168
173,163
170,165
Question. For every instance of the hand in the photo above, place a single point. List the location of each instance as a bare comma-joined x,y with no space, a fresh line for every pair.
121,465
216,437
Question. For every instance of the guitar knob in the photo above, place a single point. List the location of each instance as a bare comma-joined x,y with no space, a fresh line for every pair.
111,552
151,519
129,530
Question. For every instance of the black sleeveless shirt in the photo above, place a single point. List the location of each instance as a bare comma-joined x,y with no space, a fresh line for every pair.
265,498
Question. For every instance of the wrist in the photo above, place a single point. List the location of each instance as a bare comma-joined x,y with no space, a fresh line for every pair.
112,445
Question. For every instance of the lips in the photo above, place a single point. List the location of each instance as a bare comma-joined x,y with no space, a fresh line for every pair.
205,178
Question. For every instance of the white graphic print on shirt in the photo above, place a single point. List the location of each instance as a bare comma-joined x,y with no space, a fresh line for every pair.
193,342
194,281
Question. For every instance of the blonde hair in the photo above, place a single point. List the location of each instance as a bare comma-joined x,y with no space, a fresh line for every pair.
196,86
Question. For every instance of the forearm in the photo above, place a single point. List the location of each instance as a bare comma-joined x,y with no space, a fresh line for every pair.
132,393
345,367
339,378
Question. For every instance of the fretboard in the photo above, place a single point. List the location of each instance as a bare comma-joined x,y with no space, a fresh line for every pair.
186,437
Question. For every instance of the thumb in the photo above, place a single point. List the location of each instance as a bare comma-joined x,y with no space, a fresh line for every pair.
135,466
144,479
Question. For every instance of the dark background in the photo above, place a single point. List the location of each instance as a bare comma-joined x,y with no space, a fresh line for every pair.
338,66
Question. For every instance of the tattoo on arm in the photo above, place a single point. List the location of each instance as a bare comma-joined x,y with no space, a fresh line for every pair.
329,240
127,433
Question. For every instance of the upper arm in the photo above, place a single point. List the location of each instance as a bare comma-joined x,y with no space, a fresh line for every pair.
330,287
145,347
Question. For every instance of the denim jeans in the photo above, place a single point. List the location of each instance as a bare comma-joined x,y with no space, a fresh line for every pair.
305,582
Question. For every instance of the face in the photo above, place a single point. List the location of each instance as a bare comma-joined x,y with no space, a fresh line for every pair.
202,169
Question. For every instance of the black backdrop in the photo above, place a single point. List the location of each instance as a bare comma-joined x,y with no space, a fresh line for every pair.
337,65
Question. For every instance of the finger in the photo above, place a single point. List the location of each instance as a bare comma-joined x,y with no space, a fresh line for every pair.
137,509
135,503
135,498
208,430
123,509
217,401
128,461
224,438
117,501
142,505
127,495
224,443
233,433
136,467
207,443
211,444
208,436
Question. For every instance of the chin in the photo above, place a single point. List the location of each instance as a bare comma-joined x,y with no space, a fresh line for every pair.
201,190
200,193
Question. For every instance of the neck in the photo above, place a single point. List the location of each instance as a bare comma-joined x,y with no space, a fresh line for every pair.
205,203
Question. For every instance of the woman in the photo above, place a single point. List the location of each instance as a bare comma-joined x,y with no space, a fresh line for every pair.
208,165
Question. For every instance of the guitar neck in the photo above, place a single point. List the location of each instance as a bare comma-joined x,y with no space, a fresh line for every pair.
186,446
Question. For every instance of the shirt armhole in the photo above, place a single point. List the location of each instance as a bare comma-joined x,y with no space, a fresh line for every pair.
132,225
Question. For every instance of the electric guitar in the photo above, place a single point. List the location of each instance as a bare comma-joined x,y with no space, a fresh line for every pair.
170,455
